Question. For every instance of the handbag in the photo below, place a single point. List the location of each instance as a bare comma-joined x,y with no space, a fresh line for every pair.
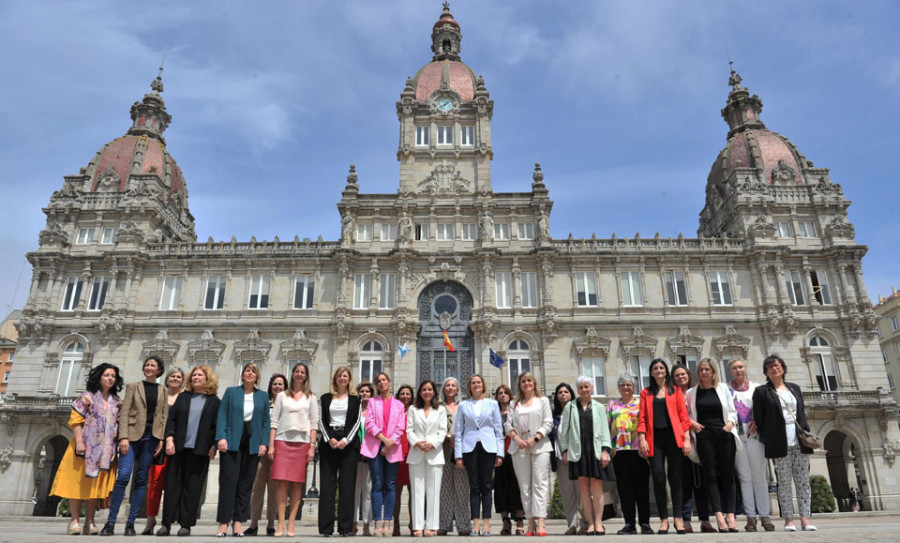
805,437
694,456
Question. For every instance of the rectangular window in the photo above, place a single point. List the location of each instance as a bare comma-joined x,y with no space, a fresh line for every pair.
890,381
503,282
109,235
99,288
586,287
304,291
501,231
422,133
676,288
387,291
388,232
632,296
445,231
467,136
806,229
73,293
362,287
215,292
640,369
526,230
691,362
368,369
783,229
720,288
445,135
422,232
826,377
259,292
529,289
821,288
469,231
518,364
171,292
595,368
364,232
794,286
67,380
85,236
894,325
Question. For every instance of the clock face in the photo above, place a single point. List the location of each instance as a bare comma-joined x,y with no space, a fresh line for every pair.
444,104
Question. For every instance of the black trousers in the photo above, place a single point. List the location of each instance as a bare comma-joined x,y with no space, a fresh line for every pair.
692,485
716,449
337,470
479,467
185,477
666,453
237,470
633,485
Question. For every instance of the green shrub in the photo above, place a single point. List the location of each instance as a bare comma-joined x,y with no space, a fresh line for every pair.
556,503
822,497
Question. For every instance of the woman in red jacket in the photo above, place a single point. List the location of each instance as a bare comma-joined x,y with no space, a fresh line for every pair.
664,430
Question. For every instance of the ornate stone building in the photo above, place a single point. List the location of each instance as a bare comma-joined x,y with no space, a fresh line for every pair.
120,275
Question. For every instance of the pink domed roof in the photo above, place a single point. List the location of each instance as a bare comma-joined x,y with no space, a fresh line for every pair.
757,148
459,78
138,154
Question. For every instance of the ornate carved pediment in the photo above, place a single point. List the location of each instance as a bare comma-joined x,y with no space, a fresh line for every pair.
592,344
840,228
638,341
161,345
129,232
782,173
444,179
685,341
207,345
53,235
251,348
109,180
762,228
731,341
299,347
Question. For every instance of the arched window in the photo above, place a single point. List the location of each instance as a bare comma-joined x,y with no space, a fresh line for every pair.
67,379
371,360
519,361
820,353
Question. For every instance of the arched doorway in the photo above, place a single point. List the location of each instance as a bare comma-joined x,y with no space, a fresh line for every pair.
844,469
445,305
46,463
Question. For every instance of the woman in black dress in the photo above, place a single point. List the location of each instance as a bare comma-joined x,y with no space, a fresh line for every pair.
507,498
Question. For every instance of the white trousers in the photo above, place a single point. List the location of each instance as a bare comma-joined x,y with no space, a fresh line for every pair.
750,463
362,502
571,497
425,489
533,472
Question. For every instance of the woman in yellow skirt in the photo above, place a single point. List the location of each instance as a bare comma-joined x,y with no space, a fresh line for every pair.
88,468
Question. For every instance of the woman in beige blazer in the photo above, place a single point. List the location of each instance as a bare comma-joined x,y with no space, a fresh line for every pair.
529,423
426,427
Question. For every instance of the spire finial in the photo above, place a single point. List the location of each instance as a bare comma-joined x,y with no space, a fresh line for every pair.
157,85
735,79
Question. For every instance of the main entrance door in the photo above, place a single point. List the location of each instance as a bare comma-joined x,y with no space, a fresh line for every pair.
445,305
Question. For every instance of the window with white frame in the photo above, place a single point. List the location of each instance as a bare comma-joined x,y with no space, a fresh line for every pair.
304,291
259,292
171,292
469,231
640,370
503,282
422,231
595,368
467,136
387,291
821,287
632,294
371,361
820,351
794,283
806,229
364,232
884,355
529,289
73,293
894,325
501,230
518,359
388,231
526,230
586,288
445,135
444,231
85,236
783,229
422,133
12,355
720,288
890,381
108,237
690,360
362,288
99,288
215,292
676,288
69,365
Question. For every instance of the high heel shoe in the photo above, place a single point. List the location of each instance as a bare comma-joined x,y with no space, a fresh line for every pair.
149,529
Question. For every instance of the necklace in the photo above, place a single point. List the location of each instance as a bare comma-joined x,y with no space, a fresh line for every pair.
585,407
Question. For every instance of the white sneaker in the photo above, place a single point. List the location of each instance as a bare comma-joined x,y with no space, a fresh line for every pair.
790,528
809,528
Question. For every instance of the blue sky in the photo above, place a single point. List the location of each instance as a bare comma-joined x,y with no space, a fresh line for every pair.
619,101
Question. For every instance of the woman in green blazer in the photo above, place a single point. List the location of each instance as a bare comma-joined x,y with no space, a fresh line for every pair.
586,447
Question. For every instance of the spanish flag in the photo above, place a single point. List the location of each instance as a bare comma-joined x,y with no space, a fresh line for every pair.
447,344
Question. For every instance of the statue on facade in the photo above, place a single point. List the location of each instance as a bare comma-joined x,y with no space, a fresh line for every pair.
405,229
543,228
487,228
348,229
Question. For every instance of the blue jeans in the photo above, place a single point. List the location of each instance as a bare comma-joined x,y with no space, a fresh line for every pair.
384,479
138,459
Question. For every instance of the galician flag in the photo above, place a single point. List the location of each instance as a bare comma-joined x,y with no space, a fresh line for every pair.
447,344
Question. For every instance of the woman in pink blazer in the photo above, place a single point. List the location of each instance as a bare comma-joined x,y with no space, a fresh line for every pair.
385,423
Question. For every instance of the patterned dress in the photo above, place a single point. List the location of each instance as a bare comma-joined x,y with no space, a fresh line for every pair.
454,487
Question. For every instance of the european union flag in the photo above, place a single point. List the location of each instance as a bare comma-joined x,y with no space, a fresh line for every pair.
495,359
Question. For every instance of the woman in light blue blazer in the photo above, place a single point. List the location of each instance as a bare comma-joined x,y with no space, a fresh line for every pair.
242,432
479,448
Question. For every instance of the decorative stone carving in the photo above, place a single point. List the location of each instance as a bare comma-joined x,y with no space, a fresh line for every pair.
109,180
890,453
161,345
782,173
547,323
685,341
5,457
444,179
638,341
405,229
592,344
207,345
129,233
487,228
299,347
730,342
253,347
53,235
762,228
840,228
348,230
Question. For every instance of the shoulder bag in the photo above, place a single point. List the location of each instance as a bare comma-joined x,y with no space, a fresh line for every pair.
805,437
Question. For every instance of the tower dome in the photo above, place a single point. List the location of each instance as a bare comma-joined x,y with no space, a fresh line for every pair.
446,71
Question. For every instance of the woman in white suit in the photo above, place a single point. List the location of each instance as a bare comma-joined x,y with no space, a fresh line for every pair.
528,424
426,427
479,445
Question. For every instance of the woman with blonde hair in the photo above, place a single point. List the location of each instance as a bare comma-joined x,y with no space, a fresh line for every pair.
174,383
529,424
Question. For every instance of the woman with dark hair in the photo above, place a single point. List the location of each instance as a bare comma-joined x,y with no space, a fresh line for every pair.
338,452
141,429
263,486
632,471
454,483
87,469
479,449
405,395
190,444
568,488
692,488
778,410
507,497
294,421
362,494
174,382
426,426
381,446
242,430
665,435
